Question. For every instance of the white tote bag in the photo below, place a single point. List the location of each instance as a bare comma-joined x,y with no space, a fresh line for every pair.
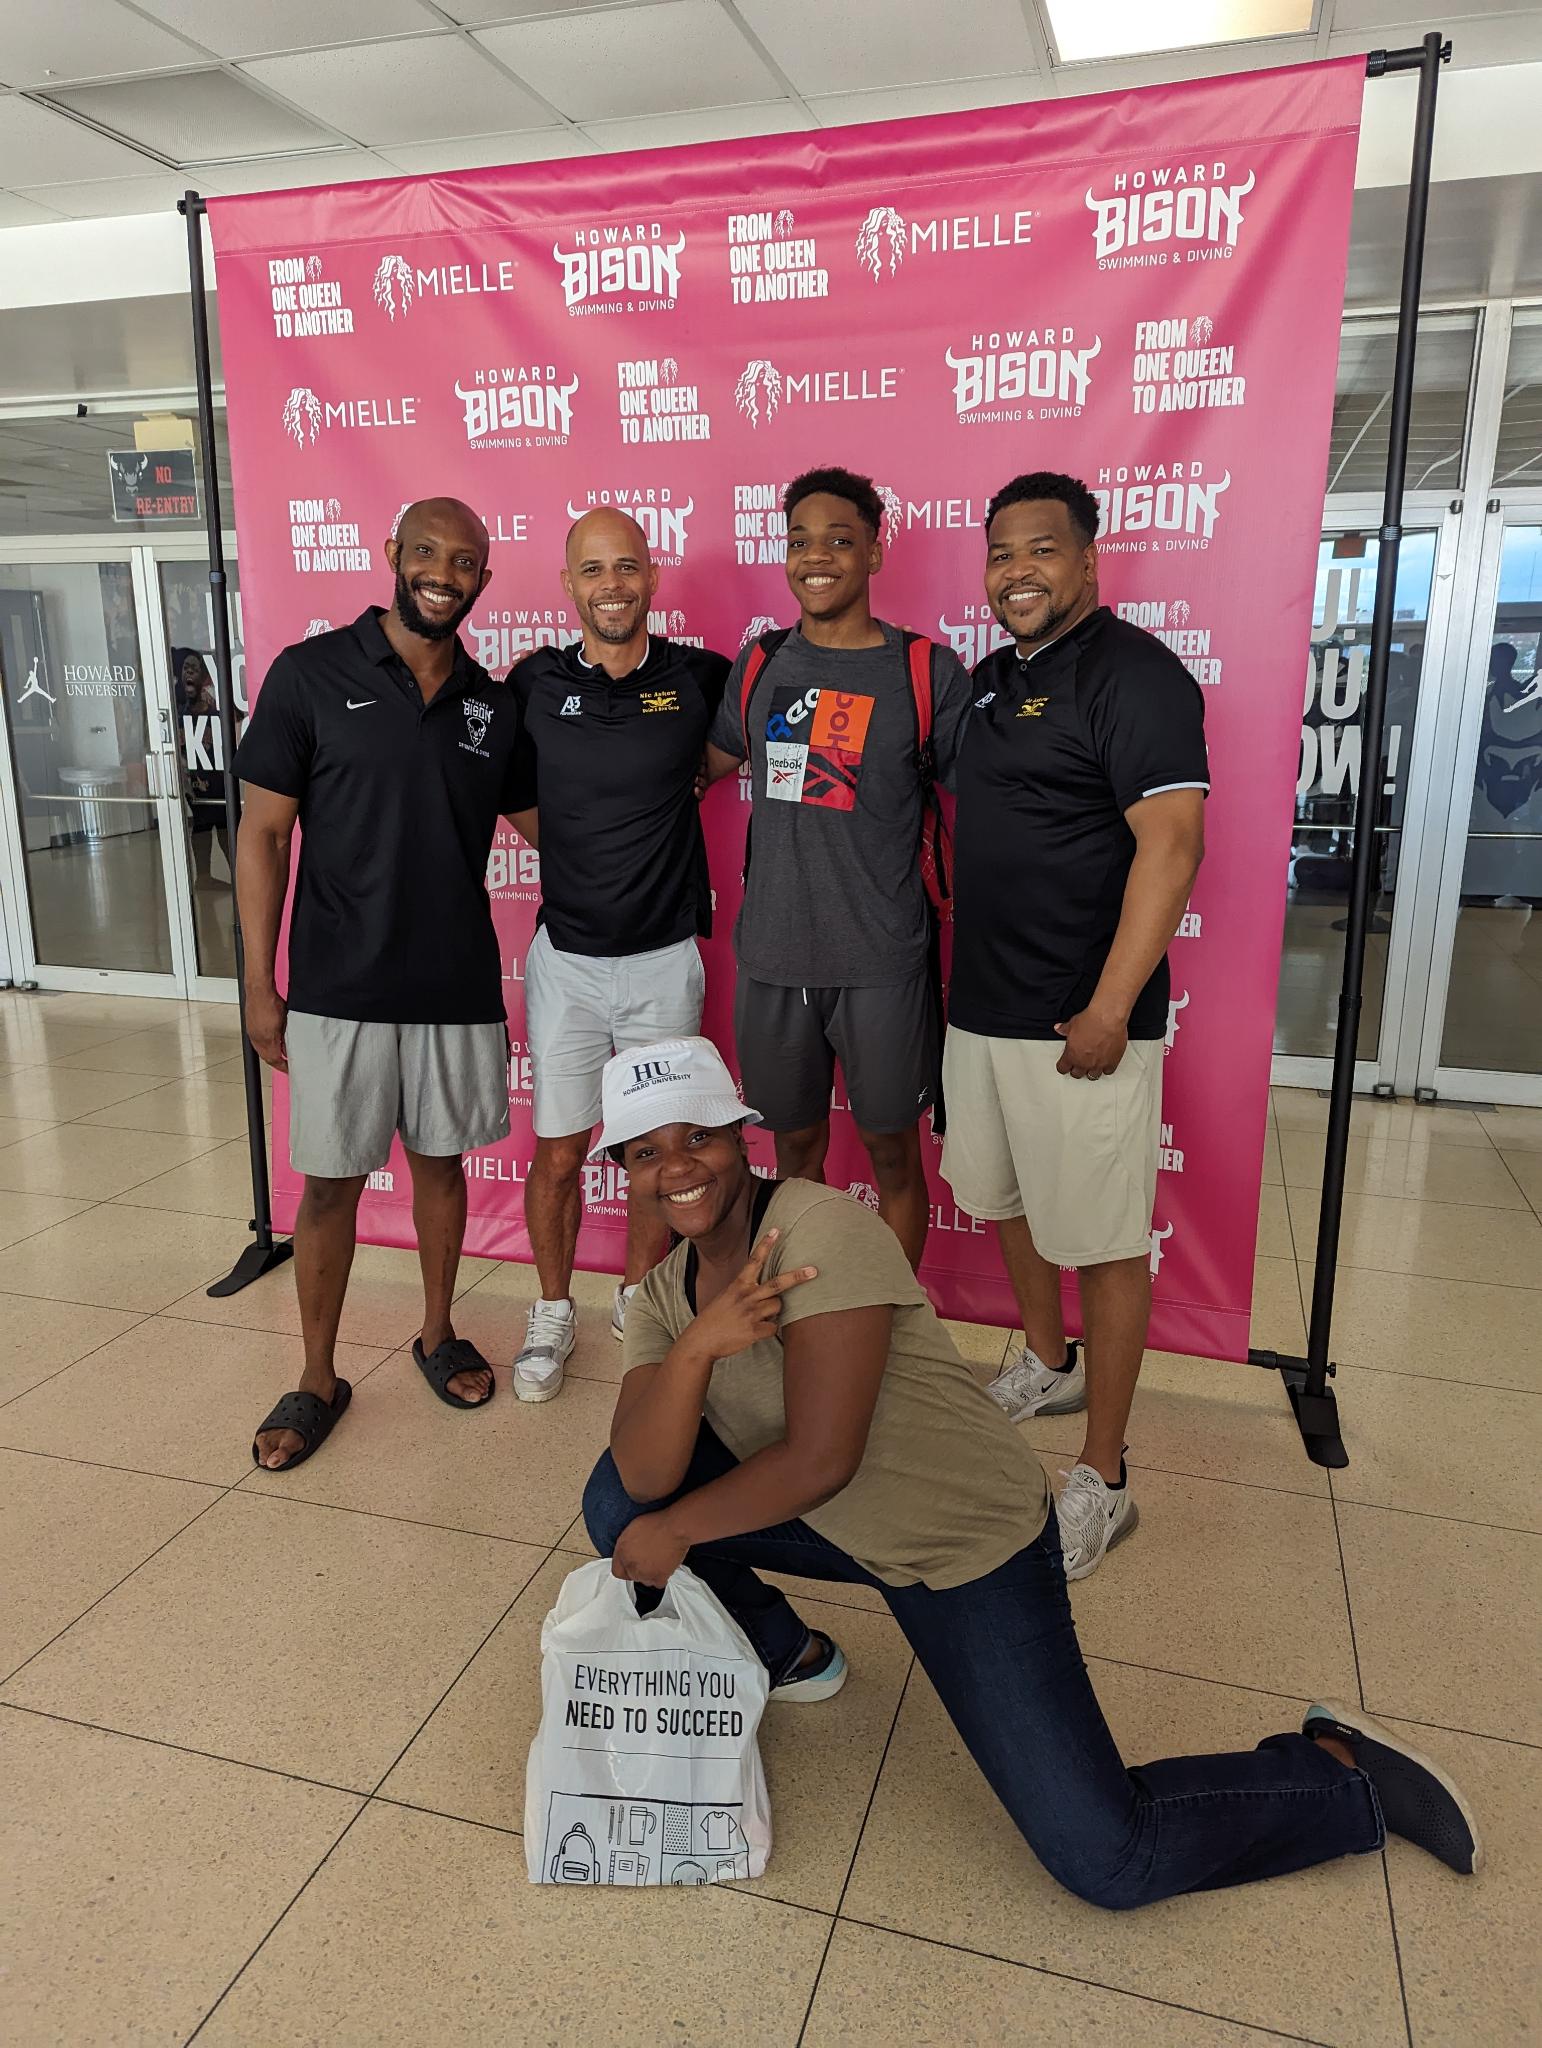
645,1768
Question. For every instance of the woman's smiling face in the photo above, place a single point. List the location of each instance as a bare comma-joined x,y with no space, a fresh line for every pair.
689,1173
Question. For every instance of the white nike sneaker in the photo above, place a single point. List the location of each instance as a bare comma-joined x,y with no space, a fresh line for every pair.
549,1334
618,1310
1094,1516
1027,1386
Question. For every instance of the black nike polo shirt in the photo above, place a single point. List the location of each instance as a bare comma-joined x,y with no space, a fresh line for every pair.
399,801
1052,753
623,861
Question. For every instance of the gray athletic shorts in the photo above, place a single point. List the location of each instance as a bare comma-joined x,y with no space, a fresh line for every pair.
353,1086
581,1008
886,1040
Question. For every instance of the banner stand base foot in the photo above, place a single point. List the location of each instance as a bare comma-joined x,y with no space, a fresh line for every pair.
1317,1415
256,1260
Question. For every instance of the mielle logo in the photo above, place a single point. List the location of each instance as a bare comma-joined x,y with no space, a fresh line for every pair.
885,238
1194,203
763,388
631,259
398,283
305,416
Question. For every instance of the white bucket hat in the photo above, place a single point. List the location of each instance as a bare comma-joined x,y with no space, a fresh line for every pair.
677,1081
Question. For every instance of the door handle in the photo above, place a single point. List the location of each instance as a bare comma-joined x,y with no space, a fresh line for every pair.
152,779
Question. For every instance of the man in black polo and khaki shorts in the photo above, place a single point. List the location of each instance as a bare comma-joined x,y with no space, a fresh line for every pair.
1081,776
396,754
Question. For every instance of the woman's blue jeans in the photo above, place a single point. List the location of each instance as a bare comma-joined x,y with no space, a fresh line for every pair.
1003,1656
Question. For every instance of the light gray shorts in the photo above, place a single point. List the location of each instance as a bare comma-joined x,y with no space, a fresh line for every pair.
353,1086
579,1010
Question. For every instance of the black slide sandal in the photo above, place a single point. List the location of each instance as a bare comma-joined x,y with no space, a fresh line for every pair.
309,1417
439,1367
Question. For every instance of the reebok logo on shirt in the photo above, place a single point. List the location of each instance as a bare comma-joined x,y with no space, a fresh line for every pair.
814,746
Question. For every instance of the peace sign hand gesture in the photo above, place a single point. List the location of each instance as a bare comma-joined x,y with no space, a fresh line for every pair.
749,1309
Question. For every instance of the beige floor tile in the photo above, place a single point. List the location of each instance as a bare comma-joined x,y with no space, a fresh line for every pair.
1225,1582
1273,1175
1432,1445
1513,1130
940,1858
91,1165
14,1128
23,1216
1418,1169
31,1040
1302,1109
906,1993
1442,1240
215,1183
146,1877
177,1398
517,1471
1442,1612
1469,1945
362,1956
492,1314
1274,1232
168,1049
1525,1168
1278,1322
120,1258
384,1308
1204,1417
56,1095
1438,1329
211,1109
41,1337
287,1635
69,1533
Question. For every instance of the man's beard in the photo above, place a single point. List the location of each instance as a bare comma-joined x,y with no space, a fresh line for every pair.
416,621
608,630
1054,619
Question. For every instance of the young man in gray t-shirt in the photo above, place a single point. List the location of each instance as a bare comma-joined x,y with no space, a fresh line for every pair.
832,941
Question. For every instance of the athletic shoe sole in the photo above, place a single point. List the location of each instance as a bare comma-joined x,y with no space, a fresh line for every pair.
546,1389
1361,1722
1127,1527
1056,1405
807,1691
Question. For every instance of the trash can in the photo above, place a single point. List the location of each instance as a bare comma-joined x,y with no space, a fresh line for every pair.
92,786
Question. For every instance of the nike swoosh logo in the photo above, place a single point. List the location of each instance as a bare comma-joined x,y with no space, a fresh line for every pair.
361,703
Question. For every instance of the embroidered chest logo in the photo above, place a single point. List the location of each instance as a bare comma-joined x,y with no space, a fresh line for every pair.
479,717
572,707
815,741
1032,707
660,700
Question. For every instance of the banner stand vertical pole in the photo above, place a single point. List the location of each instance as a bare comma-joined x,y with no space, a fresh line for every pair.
265,1252
1306,1379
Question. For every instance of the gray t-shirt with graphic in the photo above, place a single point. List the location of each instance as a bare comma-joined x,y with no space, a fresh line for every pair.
834,897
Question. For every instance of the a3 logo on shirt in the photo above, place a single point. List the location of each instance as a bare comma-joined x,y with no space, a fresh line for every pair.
815,740
572,707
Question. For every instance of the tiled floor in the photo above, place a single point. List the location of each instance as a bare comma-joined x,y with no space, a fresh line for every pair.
264,1739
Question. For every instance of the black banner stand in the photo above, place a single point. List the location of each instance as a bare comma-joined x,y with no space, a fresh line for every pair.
1306,1379
265,1252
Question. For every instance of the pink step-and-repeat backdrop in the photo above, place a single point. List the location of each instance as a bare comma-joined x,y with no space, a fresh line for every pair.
1142,288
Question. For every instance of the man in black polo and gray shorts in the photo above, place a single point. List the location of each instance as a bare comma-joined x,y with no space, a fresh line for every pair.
396,754
833,939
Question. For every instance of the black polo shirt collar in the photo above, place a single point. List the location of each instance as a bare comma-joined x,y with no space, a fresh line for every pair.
596,668
370,634
1071,641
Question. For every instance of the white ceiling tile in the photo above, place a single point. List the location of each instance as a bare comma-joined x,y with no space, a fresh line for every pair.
1496,39
257,28
478,13
408,91
286,173
899,102
97,197
1410,22
617,64
193,115
16,212
37,145
699,124
1170,66
473,152
892,42
46,43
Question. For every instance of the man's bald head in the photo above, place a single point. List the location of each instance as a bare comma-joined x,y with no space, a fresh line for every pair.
607,532
611,578
439,552
448,517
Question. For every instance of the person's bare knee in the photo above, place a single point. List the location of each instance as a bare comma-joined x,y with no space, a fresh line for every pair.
800,1155
561,1160
329,1201
896,1156
435,1173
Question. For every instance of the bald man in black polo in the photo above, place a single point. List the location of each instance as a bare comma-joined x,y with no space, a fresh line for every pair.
396,754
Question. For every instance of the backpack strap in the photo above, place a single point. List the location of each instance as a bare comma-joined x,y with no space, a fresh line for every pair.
762,651
918,661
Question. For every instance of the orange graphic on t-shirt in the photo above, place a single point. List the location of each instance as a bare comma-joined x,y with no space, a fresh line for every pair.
841,720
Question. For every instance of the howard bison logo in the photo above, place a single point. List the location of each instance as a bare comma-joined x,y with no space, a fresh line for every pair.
1178,611
1201,327
302,414
783,221
760,383
1174,1005
881,235
478,718
893,515
1158,1242
393,285
753,631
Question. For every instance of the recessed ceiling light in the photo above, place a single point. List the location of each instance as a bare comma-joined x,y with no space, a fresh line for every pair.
1087,29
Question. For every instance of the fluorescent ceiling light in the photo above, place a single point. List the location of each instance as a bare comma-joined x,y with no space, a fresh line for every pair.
1086,29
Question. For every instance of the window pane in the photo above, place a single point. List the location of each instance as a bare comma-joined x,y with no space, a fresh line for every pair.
54,477
1519,462
1362,402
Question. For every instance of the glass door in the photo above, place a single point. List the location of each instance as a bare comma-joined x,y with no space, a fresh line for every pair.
90,840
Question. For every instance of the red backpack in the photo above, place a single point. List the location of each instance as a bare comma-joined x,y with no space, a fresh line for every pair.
935,852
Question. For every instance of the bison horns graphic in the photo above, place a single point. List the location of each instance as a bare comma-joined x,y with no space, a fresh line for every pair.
393,276
758,380
302,414
882,232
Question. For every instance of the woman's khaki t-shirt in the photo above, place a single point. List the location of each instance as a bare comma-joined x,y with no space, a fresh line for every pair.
948,1489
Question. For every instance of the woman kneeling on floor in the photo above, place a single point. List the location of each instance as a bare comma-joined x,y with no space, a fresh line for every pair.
792,1403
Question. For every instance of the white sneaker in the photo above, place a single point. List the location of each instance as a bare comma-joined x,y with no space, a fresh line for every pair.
618,1310
1094,1516
1027,1386
549,1334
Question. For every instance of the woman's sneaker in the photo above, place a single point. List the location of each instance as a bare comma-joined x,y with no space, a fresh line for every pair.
1094,1516
821,1680
1418,1801
618,1309
549,1331
1027,1386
